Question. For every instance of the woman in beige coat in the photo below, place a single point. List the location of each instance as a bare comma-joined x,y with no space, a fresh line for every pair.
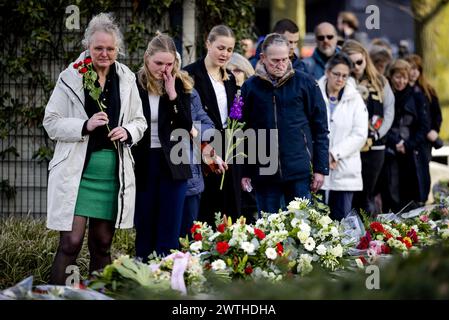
91,174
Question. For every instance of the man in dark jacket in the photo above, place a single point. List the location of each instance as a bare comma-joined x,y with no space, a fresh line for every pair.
287,104
326,39
290,30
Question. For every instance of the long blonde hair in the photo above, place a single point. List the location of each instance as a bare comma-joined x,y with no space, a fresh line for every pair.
377,80
162,43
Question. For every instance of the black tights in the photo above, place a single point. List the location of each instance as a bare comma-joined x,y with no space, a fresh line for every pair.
100,237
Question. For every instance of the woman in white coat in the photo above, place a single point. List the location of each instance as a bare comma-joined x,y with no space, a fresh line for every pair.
91,174
348,127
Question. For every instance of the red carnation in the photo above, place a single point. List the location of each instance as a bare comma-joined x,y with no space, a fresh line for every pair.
198,237
221,227
248,270
377,227
385,249
87,60
76,65
259,233
222,247
413,235
279,248
364,241
194,228
83,70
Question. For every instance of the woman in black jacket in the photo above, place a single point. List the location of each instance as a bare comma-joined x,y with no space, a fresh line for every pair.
217,89
161,180
407,134
428,94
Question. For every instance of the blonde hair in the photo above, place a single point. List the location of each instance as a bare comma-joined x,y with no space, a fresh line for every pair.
104,22
371,74
401,66
240,62
162,43
220,31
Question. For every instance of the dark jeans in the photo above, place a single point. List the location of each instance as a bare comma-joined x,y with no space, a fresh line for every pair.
274,196
190,214
159,210
340,204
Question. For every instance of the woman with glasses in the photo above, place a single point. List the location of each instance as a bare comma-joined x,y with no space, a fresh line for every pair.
379,100
91,178
348,126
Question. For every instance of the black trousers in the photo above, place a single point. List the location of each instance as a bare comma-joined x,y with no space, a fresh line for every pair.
372,163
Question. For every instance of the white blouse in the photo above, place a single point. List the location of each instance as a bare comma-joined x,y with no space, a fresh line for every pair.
222,99
154,107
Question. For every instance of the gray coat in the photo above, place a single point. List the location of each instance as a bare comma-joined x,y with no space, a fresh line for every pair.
63,120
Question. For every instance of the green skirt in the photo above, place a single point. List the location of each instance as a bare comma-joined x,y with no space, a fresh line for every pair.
98,190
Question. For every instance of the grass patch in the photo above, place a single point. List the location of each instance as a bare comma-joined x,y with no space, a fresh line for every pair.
27,248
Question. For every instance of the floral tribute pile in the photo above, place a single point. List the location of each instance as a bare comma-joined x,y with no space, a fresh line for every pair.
278,246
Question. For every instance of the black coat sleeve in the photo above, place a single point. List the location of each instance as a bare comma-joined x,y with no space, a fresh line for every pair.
319,129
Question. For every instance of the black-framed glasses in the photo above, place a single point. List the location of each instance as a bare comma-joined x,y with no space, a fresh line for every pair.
358,62
328,37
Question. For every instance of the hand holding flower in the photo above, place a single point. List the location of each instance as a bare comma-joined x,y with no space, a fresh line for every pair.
97,120
118,133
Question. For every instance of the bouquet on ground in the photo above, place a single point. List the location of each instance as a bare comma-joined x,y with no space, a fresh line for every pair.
278,245
237,250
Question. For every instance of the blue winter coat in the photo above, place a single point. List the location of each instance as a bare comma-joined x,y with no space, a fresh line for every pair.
195,185
295,107
314,65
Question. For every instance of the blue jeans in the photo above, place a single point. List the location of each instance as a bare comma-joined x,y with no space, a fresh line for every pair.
274,196
190,214
159,210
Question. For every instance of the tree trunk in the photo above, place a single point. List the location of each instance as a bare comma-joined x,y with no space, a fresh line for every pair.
432,29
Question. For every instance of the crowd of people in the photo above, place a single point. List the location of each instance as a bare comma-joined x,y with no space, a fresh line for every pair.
349,122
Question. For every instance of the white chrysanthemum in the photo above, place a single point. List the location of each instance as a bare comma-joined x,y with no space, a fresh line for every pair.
248,247
273,217
271,253
309,245
337,251
334,232
325,221
305,227
294,222
303,236
218,265
321,250
298,204
196,246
